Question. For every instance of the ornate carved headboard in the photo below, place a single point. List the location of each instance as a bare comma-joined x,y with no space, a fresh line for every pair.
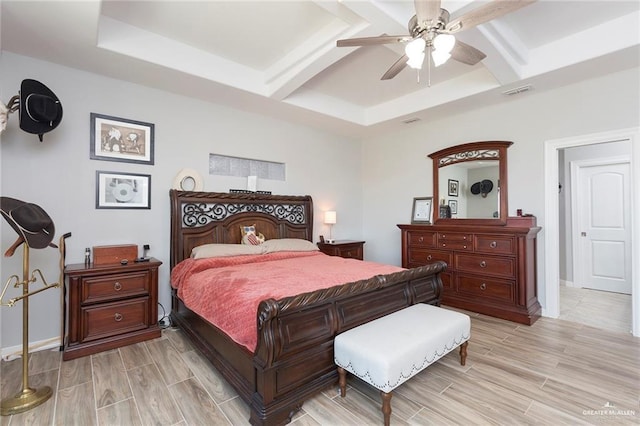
215,217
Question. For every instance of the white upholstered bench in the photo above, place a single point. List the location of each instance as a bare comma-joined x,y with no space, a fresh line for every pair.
390,350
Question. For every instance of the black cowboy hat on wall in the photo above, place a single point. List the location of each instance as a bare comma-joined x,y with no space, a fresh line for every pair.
40,109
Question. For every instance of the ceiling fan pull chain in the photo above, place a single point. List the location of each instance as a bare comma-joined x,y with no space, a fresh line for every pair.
429,68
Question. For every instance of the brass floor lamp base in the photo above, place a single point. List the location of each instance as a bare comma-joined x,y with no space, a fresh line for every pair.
25,400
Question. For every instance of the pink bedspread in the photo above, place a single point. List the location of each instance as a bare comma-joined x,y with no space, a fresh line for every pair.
227,290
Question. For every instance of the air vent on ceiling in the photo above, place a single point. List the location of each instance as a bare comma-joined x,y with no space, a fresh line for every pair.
518,90
411,120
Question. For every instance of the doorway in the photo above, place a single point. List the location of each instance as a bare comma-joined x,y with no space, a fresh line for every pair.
551,285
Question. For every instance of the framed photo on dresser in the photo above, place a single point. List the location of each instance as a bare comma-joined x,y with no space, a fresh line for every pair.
421,212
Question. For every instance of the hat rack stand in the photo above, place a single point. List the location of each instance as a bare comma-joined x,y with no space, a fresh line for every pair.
28,397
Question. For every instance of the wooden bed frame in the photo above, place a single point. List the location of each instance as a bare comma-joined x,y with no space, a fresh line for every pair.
294,353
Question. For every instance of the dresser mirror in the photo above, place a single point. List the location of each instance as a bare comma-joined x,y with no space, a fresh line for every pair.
470,183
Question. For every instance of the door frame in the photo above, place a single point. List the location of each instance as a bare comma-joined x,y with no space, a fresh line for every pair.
551,258
575,166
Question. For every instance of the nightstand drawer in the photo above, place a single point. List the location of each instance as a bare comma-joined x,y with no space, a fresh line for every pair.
348,249
351,252
117,286
112,319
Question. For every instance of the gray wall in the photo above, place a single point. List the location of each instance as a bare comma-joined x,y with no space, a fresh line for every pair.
59,176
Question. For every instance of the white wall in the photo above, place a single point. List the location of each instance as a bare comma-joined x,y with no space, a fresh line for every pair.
59,176
396,167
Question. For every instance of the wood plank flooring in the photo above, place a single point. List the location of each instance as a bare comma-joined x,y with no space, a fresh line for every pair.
552,373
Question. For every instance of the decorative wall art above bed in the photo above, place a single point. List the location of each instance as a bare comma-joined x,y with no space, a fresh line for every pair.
120,139
298,297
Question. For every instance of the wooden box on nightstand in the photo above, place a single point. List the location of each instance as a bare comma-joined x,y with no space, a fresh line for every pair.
109,306
344,248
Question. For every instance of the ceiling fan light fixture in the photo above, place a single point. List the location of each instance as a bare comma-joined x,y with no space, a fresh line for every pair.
439,57
416,61
415,51
444,43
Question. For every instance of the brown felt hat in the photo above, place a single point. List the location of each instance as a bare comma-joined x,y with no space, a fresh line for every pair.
29,220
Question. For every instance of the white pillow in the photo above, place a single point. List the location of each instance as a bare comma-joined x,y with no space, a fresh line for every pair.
224,250
288,244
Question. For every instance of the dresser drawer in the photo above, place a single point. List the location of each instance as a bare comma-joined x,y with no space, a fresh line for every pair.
421,257
492,288
116,286
495,244
455,241
112,319
422,238
480,264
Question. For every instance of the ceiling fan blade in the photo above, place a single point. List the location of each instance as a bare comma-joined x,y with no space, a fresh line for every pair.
427,10
466,54
370,41
395,68
485,13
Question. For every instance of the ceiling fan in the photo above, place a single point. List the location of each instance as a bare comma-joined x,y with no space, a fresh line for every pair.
431,28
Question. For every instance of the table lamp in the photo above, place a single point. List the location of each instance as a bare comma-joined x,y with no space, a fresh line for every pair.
330,219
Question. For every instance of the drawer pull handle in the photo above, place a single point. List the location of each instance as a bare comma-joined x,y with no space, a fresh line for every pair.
421,239
348,254
483,264
429,258
117,286
493,244
464,247
483,286
118,317
444,245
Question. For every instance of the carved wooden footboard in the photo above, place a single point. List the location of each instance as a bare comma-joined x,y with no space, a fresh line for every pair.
294,355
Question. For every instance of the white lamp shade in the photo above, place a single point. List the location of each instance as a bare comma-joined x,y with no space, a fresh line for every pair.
444,42
416,61
440,57
415,51
330,217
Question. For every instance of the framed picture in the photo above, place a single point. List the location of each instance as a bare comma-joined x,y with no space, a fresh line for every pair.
453,205
453,188
122,190
119,139
421,212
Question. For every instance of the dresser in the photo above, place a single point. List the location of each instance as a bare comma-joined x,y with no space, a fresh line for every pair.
348,249
491,268
110,306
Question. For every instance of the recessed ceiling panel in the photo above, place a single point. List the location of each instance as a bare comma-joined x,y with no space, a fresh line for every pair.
252,33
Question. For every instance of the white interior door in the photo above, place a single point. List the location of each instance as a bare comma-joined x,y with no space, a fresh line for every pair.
602,225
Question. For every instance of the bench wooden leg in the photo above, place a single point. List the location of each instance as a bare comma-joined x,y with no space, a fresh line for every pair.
342,381
463,352
386,407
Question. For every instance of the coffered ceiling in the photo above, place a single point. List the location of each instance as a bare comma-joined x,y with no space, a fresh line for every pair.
280,58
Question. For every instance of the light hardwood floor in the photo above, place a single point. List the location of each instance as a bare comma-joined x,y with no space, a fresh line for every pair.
554,372
602,309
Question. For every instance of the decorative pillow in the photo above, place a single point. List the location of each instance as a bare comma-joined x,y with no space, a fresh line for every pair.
224,250
288,244
249,235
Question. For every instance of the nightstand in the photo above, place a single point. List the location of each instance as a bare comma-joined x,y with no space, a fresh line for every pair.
344,248
110,306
